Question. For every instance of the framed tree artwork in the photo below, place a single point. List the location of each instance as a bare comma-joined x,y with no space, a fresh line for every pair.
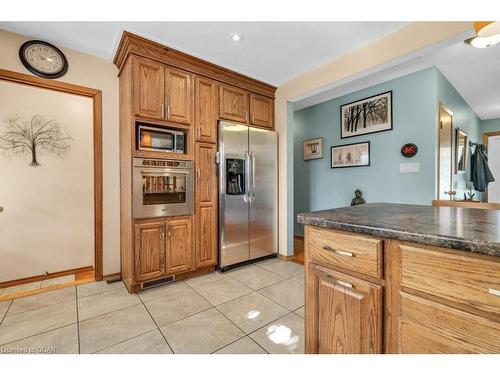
366,116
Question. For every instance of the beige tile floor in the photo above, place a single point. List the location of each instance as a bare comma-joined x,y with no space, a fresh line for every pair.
252,310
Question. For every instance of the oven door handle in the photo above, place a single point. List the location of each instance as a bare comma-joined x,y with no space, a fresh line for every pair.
163,172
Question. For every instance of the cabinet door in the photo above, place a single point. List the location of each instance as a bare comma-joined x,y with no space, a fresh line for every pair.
206,110
233,104
343,313
179,96
149,250
206,205
429,327
149,88
179,239
261,111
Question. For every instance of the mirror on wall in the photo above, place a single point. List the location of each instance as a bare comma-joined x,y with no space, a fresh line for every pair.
461,151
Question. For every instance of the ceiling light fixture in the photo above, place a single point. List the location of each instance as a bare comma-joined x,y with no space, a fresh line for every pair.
237,38
487,34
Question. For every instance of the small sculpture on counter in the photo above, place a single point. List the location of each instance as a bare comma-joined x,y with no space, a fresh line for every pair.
358,199
471,193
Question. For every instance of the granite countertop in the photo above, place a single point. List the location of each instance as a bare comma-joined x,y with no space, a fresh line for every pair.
468,229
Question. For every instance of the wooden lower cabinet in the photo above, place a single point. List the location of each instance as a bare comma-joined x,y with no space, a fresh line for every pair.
206,204
149,250
162,247
429,299
206,237
179,246
428,327
343,313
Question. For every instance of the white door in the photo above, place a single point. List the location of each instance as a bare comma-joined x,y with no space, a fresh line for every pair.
494,164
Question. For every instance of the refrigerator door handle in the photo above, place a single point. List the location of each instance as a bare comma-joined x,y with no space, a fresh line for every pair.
247,196
252,192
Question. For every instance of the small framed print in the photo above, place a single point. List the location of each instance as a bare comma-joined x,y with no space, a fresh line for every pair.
351,155
312,149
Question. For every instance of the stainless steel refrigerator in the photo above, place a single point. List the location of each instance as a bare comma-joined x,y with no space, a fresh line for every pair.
247,194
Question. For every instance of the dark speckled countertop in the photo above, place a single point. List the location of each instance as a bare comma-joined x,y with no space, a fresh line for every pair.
468,229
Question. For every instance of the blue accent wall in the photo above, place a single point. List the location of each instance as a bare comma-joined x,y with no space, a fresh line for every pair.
414,106
492,125
464,118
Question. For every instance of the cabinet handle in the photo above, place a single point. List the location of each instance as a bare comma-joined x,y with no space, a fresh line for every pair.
339,252
168,111
253,117
495,292
162,109
198,173
343,283
199,132
168,234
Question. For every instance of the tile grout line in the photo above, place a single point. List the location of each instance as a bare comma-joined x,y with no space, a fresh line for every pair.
6,311
77,320
37,334
157,326
121,342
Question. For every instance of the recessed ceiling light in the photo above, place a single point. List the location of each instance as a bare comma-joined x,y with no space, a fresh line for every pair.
237,38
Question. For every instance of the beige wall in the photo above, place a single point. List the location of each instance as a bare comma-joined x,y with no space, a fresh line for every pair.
409,39
48,221
89,71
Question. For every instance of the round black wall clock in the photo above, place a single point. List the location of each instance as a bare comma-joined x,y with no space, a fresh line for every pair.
409,150
43,59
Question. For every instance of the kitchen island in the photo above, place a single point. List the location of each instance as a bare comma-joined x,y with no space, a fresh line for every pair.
392,278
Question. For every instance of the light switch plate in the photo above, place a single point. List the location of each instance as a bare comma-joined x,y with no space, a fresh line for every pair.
409,167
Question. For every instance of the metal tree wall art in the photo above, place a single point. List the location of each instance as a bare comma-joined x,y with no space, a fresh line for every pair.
32,137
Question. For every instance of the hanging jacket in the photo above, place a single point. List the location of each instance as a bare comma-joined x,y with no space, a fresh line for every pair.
481,174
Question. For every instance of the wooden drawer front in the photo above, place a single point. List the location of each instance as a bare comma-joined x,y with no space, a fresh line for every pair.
429,327
358,253
464,278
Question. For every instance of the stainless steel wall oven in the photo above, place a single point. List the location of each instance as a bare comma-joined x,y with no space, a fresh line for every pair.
162,187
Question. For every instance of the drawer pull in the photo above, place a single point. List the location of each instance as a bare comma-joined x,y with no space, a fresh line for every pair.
339,252
343,283
495,292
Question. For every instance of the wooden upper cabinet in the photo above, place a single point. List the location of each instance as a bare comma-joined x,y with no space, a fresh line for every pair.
179,239
178,96
206,110
261,111
206,205
149,88
149,250
233,104
343,313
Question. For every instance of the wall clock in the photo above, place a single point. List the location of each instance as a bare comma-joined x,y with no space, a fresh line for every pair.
43,59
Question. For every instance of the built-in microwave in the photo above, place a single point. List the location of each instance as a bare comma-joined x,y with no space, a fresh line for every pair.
150,138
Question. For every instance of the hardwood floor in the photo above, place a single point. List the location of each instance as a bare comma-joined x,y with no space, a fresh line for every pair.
298,249
47,285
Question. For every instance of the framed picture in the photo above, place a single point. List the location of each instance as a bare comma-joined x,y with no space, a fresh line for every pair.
461,148
351,155
312,149
366,116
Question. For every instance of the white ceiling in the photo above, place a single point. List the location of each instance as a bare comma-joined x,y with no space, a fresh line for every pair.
273,52
475,74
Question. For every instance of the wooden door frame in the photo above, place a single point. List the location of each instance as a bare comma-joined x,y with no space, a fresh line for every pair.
485,139
446,109
96,95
